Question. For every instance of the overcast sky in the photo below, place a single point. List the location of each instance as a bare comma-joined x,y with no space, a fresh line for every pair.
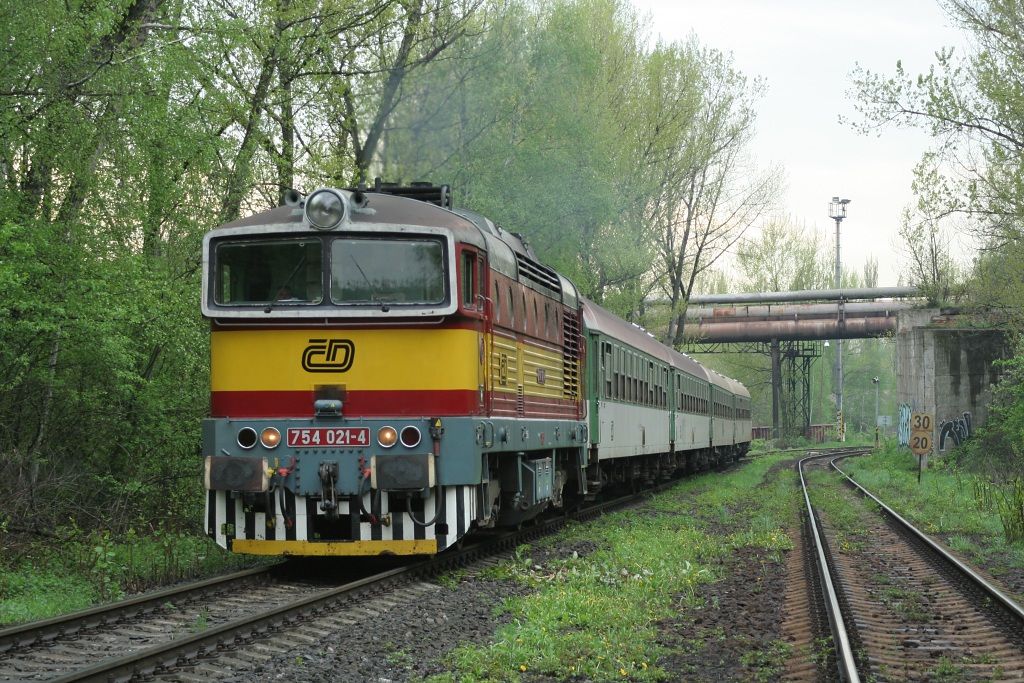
805,51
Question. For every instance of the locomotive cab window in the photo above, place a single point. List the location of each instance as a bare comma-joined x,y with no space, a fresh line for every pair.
470,286
258,272
387,271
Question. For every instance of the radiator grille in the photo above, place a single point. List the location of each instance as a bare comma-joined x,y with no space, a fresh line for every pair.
571,356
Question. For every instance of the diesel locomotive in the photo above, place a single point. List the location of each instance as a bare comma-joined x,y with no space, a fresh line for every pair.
389,373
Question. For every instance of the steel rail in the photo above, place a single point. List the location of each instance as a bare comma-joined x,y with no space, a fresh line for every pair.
175,653
35,632
991,591
845,662
169,654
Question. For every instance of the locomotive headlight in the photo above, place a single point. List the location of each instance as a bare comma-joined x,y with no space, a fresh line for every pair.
387,436
270,437
246,437
325,209
410,437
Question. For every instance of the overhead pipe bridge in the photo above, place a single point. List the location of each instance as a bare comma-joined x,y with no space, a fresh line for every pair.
768,316
789,328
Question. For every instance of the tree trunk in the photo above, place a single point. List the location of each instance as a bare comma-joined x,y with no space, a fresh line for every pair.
365,153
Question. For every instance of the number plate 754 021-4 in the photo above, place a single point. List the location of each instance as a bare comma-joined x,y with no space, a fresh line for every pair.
318,437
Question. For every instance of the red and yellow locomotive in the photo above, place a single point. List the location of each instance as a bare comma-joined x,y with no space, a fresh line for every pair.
386,373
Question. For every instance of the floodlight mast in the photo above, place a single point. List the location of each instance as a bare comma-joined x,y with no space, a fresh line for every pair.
874,380
837,212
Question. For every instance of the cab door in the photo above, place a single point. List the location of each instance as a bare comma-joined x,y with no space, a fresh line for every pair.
474,305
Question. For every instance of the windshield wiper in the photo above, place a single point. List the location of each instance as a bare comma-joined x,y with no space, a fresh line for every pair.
384,308
286,283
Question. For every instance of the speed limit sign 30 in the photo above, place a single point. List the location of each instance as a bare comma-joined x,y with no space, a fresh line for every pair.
921,433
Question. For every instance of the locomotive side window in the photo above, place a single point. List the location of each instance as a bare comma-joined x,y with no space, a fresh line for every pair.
387,271
469,282
257,272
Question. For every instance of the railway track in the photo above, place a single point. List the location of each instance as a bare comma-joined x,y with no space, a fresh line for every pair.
216,628
899,606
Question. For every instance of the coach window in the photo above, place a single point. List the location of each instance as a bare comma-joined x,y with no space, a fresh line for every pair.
606,362
623,375
621,367
631,373
649,384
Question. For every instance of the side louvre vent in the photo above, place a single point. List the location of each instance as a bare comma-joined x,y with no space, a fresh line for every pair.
571,356
538,274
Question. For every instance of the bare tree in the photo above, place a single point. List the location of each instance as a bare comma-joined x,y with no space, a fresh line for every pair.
931,268
709,194
420,32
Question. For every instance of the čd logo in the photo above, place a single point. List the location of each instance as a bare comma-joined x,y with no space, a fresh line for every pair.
328,355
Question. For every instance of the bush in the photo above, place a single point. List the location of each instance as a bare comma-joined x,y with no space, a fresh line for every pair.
997,449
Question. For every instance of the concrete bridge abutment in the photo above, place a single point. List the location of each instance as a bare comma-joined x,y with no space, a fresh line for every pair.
945,365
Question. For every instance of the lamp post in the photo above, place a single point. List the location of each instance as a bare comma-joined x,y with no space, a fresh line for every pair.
837,212
874,380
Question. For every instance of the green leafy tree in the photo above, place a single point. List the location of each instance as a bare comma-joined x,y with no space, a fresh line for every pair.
783,257
532,123
972,104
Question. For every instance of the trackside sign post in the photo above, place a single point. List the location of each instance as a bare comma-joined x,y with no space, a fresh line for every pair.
921,428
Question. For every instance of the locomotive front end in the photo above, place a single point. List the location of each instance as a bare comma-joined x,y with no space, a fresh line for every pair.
347,351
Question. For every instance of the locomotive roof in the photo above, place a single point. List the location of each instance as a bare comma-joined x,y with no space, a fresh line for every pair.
508,253
380,209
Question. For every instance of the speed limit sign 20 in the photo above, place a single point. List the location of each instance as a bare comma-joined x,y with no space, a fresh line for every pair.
921,433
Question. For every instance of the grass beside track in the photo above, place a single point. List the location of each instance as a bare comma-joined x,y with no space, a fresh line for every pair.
71,573
957,506
596,616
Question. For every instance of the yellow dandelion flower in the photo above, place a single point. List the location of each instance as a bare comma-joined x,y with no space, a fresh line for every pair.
522,667
622,672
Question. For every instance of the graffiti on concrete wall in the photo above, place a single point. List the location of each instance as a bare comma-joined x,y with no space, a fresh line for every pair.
954,431
903,428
